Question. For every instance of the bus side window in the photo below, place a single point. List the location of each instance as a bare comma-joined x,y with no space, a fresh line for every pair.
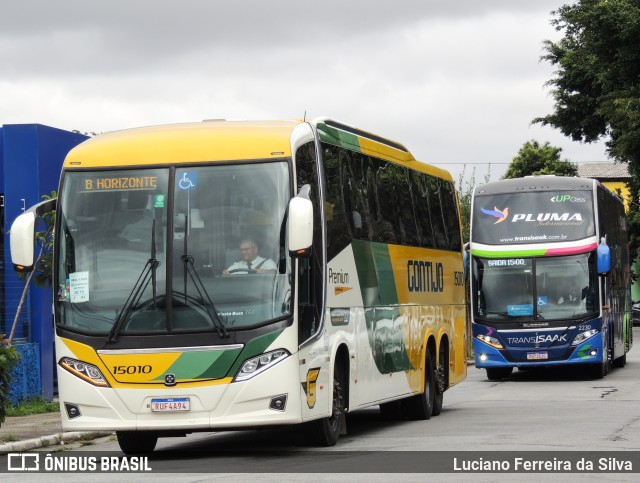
310,271
304,282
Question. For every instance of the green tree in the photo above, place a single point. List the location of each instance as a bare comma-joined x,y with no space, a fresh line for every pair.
534,159
465,191
596,86
8,360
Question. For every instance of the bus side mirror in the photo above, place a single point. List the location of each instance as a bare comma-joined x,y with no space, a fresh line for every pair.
22,237
604,257
301,224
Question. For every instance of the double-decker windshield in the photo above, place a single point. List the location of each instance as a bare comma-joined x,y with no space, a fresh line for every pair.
162,250
526,289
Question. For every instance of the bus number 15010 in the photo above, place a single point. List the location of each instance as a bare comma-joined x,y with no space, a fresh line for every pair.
131,370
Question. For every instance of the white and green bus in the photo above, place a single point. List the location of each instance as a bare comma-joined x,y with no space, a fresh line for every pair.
363,304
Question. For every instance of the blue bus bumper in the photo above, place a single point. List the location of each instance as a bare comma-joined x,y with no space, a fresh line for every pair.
591,351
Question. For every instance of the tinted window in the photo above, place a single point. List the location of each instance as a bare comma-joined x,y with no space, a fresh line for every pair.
372,199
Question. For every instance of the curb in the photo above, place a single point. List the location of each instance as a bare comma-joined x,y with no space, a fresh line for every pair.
51,440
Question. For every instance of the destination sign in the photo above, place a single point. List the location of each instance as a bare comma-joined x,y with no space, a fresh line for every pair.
115,183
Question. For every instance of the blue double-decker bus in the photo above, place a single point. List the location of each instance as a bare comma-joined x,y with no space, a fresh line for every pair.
550,278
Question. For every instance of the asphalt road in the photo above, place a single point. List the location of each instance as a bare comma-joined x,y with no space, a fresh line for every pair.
547,414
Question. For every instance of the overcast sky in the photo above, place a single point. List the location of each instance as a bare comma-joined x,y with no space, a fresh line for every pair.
456,81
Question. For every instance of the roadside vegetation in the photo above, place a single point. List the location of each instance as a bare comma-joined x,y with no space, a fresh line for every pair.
32,406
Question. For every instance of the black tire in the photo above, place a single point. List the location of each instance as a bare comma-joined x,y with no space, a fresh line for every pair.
136,442
438,401
620,361
326,431
441,383
597,371
498,373
420,406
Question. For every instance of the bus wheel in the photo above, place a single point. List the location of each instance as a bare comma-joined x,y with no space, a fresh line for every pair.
620,361
135,442
598,371
420,406
326,431
498,373
438,399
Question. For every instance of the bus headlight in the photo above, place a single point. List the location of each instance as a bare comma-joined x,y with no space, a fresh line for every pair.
87,372
492,341
582,336
256,365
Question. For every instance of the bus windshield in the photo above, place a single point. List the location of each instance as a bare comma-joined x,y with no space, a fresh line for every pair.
531,289
149,250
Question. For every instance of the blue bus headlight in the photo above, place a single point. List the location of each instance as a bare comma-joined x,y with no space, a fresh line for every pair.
256,365
582,336
87,372
492,341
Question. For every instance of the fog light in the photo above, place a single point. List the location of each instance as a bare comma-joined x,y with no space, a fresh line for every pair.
483,357
278,403
593,352
73,411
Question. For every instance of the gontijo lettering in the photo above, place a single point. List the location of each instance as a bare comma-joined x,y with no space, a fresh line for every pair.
121,183
424,276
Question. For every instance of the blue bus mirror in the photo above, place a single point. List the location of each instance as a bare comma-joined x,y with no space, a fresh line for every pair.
604,257
465,259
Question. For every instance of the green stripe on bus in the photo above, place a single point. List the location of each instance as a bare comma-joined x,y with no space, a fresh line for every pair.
375,273
202,364
508,253
218,363
220,368
336,137
254,347
384,270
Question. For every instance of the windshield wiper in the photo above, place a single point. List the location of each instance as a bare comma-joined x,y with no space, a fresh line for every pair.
205,299
190,269
147,275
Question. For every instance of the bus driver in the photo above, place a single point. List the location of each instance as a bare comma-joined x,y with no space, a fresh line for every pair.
250,261
572,297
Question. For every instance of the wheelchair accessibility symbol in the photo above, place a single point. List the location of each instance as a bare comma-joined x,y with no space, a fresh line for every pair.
188,181
542,301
